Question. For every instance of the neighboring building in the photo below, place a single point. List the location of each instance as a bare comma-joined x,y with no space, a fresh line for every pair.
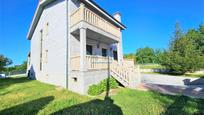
75,43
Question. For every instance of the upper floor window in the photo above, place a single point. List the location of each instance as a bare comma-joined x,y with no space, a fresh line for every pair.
115,55
47,28
89,50
104,52
46,56
41,45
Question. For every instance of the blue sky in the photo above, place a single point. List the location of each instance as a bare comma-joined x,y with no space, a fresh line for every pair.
149,22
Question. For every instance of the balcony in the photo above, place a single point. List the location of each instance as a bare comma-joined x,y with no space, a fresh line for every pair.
86,15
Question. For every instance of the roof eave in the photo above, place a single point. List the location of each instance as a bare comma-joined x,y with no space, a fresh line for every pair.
37,14
29,35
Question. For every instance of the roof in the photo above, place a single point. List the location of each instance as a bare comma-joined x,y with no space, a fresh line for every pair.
43,3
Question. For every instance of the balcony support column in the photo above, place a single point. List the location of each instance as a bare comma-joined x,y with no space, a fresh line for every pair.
83,49
120,51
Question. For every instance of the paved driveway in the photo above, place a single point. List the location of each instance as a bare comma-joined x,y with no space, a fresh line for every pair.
191,91
173,85
171,80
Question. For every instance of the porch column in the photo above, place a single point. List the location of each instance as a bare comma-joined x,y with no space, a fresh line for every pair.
120,52
83,49
120,49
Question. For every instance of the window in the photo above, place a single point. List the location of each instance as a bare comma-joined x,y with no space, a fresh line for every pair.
104,52
47,29
41,40
115,55
89,50
46,56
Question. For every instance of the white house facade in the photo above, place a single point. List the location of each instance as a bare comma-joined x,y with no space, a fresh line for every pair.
75,43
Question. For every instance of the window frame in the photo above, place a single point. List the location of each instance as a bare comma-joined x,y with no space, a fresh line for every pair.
87,50
104,52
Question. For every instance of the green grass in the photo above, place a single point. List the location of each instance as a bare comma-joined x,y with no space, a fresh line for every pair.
150,66
22,96
194,75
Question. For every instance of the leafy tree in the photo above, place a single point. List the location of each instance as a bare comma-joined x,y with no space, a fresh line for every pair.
200,40
176,35
23,66
4,61
17,68
184,53
130,56
158,53
145,55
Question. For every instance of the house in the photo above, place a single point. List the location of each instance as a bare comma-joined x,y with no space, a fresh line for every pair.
76,43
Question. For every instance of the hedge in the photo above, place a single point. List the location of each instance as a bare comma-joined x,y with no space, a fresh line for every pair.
102,86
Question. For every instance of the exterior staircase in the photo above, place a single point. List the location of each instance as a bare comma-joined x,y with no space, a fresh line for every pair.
126,73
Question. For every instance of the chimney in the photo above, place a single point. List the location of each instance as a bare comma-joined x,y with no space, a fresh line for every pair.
117,16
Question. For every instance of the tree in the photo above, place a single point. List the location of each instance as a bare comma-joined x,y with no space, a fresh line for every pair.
200,40
176,35
4,61
158,53
23,66
130,56
184,54
145,55
17,68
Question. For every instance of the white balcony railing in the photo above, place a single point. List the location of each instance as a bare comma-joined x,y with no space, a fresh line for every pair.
124,71
84,14
95,62
92,63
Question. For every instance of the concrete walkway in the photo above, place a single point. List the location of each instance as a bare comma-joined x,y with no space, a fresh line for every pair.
191,91
173,85
171,80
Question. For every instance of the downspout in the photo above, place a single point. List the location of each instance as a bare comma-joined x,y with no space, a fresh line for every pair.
67,42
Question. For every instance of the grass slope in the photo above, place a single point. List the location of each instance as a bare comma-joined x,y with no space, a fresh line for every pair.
22,96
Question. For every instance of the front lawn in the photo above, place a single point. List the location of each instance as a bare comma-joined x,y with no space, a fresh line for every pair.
22,96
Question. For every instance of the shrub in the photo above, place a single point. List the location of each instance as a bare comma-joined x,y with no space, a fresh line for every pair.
102,86
94,90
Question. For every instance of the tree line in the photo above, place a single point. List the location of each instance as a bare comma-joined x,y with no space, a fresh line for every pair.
5,68
184,54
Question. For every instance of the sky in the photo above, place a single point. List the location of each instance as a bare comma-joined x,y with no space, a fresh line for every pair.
149,23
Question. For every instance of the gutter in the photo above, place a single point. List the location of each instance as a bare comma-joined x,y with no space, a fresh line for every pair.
67,41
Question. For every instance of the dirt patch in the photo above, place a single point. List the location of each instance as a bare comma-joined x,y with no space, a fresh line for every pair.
142,87
59,88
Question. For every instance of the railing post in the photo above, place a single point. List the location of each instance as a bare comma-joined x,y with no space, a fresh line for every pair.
82,7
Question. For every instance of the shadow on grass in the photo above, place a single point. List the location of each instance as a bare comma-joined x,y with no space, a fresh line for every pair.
6,82
29,108
181,105
94,107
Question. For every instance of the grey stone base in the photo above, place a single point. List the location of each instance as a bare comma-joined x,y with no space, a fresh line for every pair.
79,82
